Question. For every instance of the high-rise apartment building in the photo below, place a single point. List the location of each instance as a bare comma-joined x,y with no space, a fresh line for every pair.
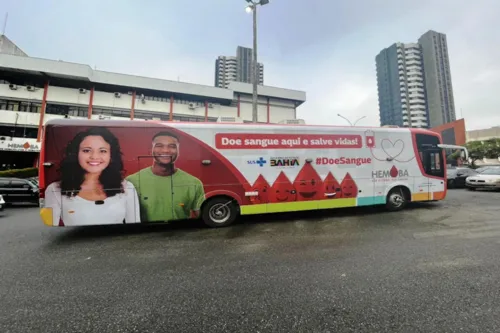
236,68
414,83
400,84
440,101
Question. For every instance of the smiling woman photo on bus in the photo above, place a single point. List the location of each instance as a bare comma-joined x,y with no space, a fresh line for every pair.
92,189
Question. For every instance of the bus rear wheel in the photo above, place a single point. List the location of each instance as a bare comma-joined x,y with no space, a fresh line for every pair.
219,212
397,199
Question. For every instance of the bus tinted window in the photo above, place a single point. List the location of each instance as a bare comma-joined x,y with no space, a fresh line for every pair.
431,156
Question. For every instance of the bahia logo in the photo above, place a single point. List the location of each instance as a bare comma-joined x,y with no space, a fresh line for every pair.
393,173
284,161
260,162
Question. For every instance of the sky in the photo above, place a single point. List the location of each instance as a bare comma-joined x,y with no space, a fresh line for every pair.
323,47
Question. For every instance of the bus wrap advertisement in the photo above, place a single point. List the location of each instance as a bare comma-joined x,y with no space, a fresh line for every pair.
112,172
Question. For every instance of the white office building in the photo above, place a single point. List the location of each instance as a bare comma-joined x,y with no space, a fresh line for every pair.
34,90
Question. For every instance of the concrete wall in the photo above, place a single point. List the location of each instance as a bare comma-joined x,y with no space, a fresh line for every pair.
8,47
483,134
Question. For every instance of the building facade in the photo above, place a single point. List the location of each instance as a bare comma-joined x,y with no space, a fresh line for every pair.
452,133
440,100
400,83
414,83
236,68
484,134
34,90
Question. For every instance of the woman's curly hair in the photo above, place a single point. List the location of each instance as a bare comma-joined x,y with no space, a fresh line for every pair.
73,175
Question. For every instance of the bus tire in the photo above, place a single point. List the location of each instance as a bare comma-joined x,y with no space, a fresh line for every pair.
219,212
397,199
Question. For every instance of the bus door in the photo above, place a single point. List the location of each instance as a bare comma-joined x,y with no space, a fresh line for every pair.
432,164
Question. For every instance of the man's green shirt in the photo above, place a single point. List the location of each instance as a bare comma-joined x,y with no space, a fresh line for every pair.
167,198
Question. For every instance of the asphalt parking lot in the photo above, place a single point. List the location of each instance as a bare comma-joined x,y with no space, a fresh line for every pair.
433,267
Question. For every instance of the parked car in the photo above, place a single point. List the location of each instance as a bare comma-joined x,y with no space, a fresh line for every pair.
16,190
455,177
489,178
484,167
34,180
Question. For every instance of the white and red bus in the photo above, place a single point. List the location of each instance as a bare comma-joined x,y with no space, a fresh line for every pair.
95,172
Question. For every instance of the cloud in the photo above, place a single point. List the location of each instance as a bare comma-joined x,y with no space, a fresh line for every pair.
326,48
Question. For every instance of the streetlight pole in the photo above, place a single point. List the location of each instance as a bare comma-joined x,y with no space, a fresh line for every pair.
358,120
252,6
341,116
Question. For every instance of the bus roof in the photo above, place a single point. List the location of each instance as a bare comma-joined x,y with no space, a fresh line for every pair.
155,123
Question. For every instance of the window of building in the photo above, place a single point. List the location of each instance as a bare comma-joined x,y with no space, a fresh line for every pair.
20,106
112,112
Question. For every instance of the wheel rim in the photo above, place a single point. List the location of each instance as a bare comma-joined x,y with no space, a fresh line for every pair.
219,213
396,199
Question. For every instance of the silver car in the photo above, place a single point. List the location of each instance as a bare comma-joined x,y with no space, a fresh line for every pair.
489,178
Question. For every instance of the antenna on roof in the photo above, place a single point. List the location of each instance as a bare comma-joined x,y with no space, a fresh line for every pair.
5,23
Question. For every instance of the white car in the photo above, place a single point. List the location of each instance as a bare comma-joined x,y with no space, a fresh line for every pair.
2,203
489,178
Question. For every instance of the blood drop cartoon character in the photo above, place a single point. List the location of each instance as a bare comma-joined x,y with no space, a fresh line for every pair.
262,187
282,190
331,187
308,184
349,187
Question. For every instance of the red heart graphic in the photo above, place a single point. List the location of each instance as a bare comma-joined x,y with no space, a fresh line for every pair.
398,149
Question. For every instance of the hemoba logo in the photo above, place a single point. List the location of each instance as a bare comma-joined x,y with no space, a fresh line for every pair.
284,161
391,173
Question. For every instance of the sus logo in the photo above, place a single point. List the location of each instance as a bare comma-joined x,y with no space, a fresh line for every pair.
349,187
331,187
262,186
308,184
282,190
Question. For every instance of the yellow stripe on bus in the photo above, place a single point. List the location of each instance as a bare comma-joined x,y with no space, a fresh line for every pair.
297,206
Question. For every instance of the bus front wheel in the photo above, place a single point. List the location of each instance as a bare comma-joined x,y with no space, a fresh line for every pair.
397,199
219,212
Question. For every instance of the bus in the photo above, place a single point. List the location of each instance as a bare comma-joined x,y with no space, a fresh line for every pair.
97,172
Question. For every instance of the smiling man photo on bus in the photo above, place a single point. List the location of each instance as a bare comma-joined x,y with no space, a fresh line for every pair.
166,192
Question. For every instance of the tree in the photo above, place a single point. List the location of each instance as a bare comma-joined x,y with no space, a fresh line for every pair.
476,150
491,148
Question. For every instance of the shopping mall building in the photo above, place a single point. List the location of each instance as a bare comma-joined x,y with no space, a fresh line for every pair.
34,90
